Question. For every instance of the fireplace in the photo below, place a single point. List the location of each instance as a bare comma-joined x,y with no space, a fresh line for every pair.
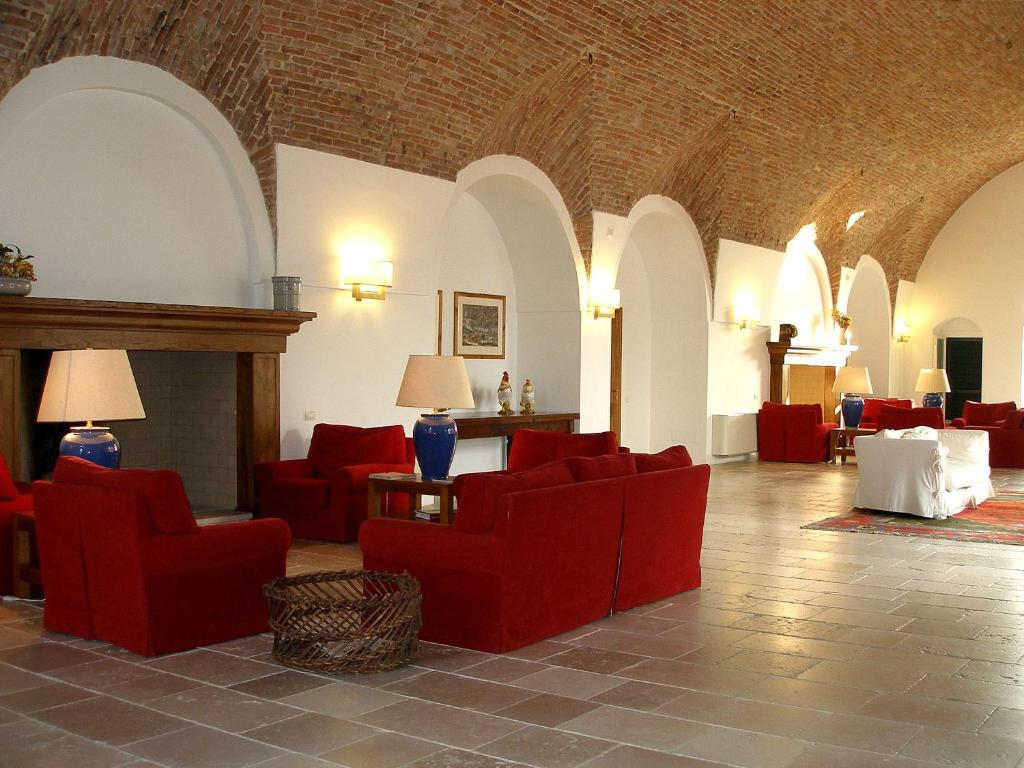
208,377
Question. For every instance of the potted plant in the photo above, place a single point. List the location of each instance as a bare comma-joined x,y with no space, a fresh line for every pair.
16,272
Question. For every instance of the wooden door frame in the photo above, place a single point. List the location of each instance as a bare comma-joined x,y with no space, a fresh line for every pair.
615,397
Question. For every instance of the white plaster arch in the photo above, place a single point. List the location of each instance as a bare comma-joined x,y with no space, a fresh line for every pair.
962,327
666,297
547,268
803,293
867,302
83,76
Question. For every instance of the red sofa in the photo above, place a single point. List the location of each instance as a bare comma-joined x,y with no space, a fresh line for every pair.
533,447
984,414
14,497
324,495
1005,438
873,406
795,433
890,417
538,552
123,561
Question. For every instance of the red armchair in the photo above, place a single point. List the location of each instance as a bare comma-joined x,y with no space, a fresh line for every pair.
324,495
794,433
123,561
906,418
533,447
873,406
1005,438
984,414
14,497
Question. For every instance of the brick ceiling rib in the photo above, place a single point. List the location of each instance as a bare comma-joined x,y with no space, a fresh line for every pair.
757,117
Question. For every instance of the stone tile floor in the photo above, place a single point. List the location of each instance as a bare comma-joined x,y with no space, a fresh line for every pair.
802,649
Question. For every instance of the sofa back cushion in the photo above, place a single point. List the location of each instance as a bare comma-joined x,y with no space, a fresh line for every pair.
874,405
987,414
338,445
482,493
584,468
8,490
814,408
160,490
533,447
1015,420
891,417
671,458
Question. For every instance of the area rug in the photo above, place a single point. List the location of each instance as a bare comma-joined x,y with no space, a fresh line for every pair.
999,520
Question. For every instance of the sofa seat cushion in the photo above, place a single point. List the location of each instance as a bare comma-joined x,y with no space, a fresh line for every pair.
338,445
304,492
675,457
584,468
160,489
483,493
962,474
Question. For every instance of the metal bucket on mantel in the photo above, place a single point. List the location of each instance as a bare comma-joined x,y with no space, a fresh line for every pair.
287,289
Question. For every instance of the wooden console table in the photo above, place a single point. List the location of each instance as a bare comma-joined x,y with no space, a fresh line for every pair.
385,482
840,442
475,424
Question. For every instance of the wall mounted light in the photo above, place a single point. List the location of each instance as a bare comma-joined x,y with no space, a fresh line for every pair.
745,312
901,332
604,301
367,278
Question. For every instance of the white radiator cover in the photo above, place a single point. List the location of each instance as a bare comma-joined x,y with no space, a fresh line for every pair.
733,434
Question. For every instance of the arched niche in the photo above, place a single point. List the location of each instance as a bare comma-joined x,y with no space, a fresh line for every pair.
666,302
129,185
802,294
547,273
869,306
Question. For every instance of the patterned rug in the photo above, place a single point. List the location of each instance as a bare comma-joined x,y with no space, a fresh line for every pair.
999,520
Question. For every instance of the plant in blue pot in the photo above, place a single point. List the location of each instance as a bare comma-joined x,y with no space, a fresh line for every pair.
853,381
440,383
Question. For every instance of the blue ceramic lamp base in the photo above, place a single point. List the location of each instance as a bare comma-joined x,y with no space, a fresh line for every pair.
932,400
434,436
853,409
94,444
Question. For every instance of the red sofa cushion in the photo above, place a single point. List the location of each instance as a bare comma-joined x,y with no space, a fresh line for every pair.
160,489
482,493
585,468
874,405
1015,420
533,447
337,445
671,458
8,490
986,414
892,417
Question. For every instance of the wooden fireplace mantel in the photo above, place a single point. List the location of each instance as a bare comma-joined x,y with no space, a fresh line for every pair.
257,336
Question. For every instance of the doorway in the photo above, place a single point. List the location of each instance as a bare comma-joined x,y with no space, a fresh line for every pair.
963,367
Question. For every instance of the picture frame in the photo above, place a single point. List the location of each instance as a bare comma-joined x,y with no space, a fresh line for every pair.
479,330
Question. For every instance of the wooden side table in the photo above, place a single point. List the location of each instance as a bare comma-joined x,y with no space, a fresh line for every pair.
28,576
387,482
840,442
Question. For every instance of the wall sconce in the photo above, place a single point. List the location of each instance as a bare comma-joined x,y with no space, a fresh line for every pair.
747,317
367,279
604,301
902,332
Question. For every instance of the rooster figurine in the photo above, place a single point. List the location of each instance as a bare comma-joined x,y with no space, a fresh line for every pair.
505,396
528,398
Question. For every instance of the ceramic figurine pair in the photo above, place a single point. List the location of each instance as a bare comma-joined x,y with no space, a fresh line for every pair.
526,401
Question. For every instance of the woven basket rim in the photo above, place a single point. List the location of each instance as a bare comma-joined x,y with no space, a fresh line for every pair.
281,587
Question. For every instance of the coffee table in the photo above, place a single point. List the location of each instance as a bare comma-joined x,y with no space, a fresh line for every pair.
380,483
840,442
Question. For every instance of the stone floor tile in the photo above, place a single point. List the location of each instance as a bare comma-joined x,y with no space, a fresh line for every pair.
448,659
828,756
503,669
201,747
44,697
969,750
458,758
550,710
563,681
152,687
640,729
743,748
973,691
457,691
801,646
863,675
437,722
103,673
383,750
29,744
866,733
594,660
310,733
109,721
639,695
695,676
965,649
212,667
805,693
342,700
635,757
925,710
544,746
1005,722
281,684
44,657
222,708
768,663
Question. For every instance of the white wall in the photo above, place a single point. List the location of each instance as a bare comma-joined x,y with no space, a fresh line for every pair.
974,270
868,306
122,194
637,338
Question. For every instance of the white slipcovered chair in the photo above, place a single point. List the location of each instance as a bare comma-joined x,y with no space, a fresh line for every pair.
923,471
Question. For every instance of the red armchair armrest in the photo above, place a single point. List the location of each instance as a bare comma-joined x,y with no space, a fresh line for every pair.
356,476
959,423
278,470
227,542
23,487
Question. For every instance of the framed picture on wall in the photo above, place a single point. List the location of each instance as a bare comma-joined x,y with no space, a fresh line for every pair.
437,318
479,325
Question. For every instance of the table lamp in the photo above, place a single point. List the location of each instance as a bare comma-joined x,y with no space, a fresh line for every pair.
853,381
91,385
933,382
438,382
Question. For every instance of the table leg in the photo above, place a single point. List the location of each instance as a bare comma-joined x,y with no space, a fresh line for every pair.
833,438
444,499
372,499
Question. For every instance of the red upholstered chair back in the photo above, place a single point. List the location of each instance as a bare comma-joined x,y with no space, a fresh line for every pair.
339,445
873,406
986,414
533,447
907,418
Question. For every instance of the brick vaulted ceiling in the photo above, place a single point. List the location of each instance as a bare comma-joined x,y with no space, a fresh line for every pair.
757,116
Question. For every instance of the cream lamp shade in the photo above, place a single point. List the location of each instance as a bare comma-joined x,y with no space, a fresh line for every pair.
90,385
853,378
435,381
932,380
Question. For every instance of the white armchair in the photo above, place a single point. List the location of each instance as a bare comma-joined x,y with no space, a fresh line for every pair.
923,471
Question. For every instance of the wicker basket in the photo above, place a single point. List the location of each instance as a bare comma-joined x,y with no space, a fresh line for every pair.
345,621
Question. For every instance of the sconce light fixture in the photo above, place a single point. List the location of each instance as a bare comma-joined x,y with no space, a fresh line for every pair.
901,332
604,301
367,278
